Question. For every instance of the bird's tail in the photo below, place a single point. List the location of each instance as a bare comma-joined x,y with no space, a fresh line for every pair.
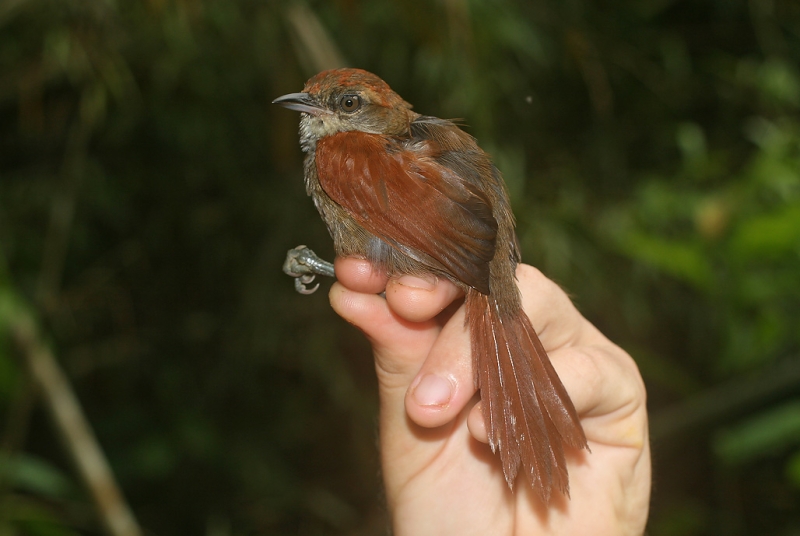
528,413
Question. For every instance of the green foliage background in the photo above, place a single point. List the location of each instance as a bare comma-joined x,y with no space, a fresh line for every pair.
148,193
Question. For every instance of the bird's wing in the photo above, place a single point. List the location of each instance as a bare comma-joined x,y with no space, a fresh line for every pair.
401,194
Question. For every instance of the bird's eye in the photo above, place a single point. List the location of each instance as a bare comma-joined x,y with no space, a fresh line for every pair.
350,103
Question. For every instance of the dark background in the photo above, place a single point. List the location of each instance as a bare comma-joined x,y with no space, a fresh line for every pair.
149,192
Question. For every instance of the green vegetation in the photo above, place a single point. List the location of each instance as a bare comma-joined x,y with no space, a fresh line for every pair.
149,192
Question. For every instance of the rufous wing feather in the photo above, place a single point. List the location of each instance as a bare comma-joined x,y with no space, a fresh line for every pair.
411,202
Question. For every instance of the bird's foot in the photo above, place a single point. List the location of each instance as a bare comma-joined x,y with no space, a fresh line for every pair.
304,265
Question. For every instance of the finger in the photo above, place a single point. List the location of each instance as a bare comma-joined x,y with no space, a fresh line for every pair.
600,379
607,391
359,275
476,424
399,346
445,383
420,298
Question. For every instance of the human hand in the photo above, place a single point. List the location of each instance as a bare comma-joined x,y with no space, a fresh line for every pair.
440,475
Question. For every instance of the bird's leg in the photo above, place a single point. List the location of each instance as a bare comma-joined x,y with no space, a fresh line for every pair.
304,265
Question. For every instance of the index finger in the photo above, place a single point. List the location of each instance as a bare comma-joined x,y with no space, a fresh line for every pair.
359,275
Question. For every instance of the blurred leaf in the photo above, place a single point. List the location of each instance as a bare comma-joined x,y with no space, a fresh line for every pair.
29,473
767,433
779,81
692,142
9,309
768,236
684,261
793,469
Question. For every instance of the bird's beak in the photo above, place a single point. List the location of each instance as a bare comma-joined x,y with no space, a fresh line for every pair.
302,102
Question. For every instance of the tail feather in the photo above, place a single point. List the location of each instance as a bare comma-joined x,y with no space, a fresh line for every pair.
528,413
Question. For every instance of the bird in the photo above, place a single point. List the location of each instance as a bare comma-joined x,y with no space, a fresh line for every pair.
415,194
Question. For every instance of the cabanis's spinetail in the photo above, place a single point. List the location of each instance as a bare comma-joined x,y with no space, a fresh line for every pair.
415,194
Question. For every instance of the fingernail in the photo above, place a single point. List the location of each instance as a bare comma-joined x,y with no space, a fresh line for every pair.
433,390
427,282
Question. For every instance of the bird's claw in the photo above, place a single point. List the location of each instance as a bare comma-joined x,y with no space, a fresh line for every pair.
304,265
301,281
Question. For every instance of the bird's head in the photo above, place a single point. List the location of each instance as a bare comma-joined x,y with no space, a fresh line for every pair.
340,100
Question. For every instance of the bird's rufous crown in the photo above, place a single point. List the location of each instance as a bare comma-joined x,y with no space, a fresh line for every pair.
332,80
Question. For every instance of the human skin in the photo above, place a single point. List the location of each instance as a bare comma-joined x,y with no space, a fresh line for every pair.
439,473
